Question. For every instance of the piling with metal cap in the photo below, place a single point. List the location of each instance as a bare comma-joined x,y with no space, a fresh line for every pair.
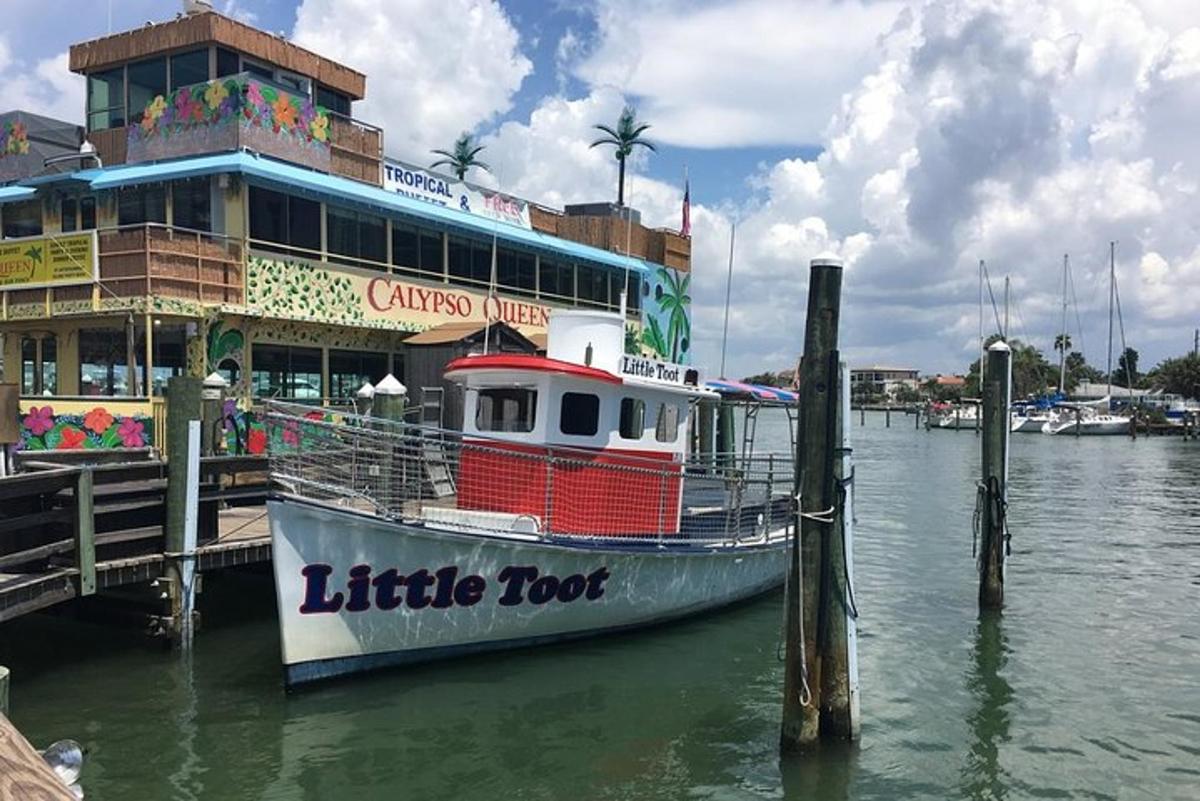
993,489
212,405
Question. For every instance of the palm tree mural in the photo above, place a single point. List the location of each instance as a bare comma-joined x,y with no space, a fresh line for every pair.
626,136
463,157
673,300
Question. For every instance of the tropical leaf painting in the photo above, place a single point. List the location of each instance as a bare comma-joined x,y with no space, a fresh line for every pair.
652,335
667,323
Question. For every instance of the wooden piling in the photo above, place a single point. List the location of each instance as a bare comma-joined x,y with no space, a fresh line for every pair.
996,397
85,533
725,436
862,415
4,676
707,409
887,417
183,409
808,591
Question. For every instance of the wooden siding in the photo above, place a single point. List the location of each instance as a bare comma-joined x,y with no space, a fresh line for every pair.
110,145
659,246
356,150
212,28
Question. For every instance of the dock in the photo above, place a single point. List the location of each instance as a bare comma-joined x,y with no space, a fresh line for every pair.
23,772
69,532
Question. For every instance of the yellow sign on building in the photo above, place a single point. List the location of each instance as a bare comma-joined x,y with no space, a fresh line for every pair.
54,260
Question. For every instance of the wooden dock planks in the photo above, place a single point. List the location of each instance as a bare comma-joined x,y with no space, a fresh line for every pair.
24,774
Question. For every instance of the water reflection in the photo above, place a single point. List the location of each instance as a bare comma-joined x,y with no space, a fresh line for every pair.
982,775
826,774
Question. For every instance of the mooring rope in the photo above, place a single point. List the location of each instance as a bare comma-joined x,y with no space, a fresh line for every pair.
990,501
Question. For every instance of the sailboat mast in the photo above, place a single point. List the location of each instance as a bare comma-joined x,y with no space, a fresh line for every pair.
982,351
1004,333
728,288
1062,342
1112,282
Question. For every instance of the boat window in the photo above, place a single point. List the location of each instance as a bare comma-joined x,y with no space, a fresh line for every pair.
633,418
667,428
579,414
506,409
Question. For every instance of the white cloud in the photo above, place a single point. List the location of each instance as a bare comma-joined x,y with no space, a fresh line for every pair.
47,88
435,67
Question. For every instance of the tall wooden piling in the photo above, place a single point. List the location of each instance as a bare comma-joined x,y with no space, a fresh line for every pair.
183,410
725,436
4,674
887,417
707,410
811,595
993,490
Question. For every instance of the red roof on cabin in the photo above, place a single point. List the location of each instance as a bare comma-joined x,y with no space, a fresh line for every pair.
521,361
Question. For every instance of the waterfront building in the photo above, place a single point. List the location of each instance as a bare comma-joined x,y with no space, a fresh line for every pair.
221,209
884,380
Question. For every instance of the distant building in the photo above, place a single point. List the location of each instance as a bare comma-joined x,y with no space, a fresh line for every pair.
949,380
883,379
1088,390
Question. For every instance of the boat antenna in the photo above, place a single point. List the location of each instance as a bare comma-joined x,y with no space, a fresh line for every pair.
1112,285
1124,347
1062,353
982,355
1004,331
728,288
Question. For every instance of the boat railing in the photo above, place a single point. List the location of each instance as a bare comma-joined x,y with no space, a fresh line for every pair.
440,479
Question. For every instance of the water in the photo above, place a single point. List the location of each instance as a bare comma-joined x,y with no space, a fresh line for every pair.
1087,687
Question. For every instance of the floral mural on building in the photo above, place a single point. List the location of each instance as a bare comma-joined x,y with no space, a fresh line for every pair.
246,431
667,315
43,430
14,139
298,290
228,113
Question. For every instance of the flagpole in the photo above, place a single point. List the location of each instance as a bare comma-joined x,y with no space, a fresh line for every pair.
728,288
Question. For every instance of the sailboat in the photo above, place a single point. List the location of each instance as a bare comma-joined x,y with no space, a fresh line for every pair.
1086,419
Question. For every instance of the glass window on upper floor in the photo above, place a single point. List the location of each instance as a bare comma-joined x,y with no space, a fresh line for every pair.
458,251
593,286
106,99
189,68
264,71
87,213
191,204
362,237
633,293
69,214
147,80
290,80
22,219
277,219
228,63
557,279
515,271
335,101
141,204
417,249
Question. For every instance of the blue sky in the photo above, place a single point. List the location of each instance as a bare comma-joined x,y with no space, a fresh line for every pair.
910,137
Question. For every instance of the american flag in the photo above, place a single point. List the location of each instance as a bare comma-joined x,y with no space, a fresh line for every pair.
686,228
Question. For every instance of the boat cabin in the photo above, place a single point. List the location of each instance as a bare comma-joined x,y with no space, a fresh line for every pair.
586,435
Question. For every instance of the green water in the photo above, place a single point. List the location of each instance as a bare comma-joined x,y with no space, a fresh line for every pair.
1087,687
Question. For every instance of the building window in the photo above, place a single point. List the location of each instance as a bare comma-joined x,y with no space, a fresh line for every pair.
276,218
357,235
69,213
280,371
593,286
557,279
191,204
295,83
458,252
103,361
512,410
23,219
667,427
87,213
349,370
147,80
417,249
137,205
189,68
579,414
39,366
228,63
633,418
515,270
169,346
258,70
106,99
335,101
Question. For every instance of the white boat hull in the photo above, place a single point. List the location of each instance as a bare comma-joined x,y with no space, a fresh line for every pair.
1113,426
1031,424
357,592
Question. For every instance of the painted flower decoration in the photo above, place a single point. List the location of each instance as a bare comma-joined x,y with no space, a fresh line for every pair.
97,420
285,113
320,128
215,93
183,101
72,439
291,434
254,94
156,107
256,441
39,420
131,433
317,416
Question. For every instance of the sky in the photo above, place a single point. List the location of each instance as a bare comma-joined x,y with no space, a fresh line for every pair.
911,138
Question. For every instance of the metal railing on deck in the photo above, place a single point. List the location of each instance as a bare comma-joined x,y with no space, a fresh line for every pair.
442,479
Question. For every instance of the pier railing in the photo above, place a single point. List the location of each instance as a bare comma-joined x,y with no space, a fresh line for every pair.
441,479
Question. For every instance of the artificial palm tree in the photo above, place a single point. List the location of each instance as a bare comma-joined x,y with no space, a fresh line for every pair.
462,157
624,138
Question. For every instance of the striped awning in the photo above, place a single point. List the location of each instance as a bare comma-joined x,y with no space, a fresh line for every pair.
756,391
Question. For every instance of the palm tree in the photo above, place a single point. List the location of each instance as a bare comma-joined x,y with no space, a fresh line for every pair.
626,135
1062,344
673,298
462,157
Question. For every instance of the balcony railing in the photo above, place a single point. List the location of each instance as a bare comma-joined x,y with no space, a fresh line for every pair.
138,261
243,112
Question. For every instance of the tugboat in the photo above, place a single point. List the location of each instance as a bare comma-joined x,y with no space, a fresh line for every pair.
567,506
